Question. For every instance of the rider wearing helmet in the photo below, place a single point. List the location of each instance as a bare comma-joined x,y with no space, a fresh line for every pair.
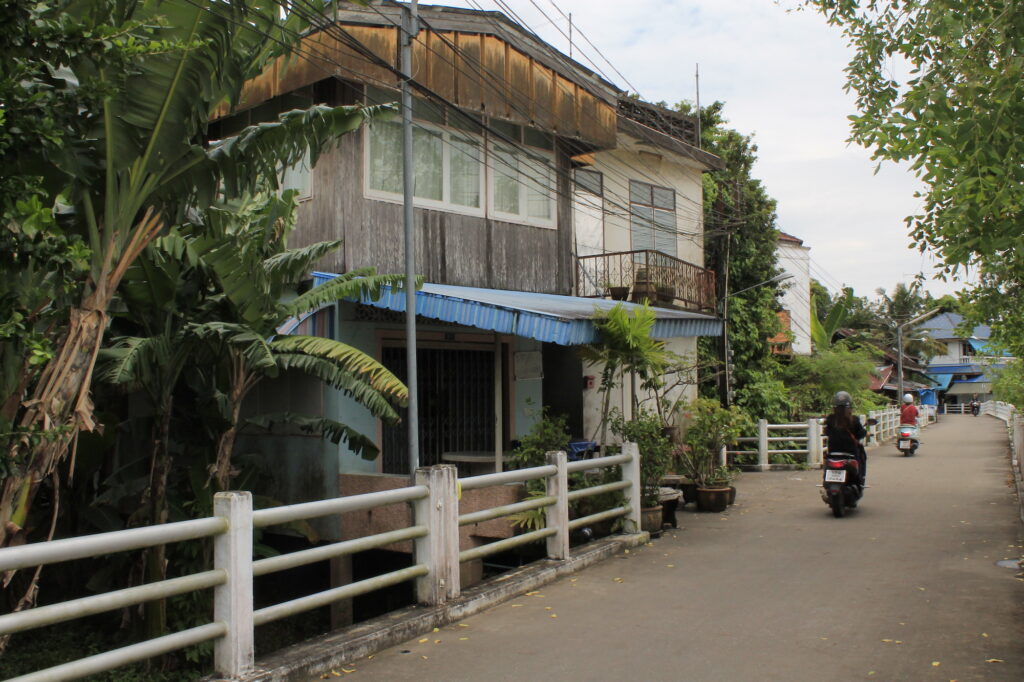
908,413
845,432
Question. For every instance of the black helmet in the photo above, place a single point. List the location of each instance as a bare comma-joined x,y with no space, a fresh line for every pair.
842,399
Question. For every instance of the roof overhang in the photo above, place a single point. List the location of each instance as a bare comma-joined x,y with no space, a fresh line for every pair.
970,388
564,320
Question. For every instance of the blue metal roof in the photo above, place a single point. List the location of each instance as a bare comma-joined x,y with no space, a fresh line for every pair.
943,326
565,320
943,380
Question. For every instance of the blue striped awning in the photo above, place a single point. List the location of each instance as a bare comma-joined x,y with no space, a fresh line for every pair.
565,320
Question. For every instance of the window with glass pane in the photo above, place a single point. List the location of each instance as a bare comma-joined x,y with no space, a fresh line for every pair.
428,164
506,180
465,172
538,188
652,217
386,157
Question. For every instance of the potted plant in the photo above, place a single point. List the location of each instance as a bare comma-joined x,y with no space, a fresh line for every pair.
711,427
616,291
645,429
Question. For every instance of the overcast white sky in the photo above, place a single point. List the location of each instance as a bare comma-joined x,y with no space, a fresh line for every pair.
781,76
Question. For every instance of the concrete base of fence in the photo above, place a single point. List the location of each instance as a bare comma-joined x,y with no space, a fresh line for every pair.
319,655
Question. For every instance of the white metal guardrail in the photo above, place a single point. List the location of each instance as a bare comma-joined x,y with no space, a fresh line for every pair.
434,532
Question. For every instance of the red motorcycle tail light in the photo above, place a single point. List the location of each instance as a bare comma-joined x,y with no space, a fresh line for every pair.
836,464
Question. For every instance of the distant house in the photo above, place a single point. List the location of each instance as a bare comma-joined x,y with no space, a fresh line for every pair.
963,371
795,317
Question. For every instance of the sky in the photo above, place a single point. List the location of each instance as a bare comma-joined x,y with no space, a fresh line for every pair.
780,74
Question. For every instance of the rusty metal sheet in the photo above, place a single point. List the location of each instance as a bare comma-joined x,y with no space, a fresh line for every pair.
259,89
383,42
565,107
468,75
495,94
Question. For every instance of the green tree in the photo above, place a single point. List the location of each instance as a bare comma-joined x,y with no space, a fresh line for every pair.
740,243
128,161
958,119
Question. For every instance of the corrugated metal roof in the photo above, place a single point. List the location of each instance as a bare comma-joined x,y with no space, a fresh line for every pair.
943,380
565,320
943,326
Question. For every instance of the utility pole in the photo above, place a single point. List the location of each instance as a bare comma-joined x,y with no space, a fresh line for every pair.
410,28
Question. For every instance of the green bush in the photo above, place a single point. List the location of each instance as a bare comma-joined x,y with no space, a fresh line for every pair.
645,430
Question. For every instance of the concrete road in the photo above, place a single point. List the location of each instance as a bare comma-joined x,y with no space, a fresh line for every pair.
904,588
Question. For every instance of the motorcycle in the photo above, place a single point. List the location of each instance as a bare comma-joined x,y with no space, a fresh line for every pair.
842,486
906,440
975,408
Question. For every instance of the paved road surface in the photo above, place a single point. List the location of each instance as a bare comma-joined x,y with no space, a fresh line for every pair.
904,588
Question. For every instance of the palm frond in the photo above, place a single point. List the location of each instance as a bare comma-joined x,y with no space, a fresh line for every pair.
331,429
351,286
293,264
347,358
253,347
351,385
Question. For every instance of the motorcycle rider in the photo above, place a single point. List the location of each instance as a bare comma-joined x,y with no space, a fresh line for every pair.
975,405
908,413
845,432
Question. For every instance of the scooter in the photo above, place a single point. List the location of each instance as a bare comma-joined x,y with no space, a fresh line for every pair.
975,408
906,440
842,486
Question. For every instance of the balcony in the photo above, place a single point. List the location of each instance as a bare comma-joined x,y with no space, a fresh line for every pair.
652,276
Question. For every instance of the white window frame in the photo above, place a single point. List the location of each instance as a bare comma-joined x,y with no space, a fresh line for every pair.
522,218
445,204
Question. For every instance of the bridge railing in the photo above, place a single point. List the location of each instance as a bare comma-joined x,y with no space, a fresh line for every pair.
1015,431
810,435
434,531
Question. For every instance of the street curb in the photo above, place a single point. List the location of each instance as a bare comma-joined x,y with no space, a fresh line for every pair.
340,647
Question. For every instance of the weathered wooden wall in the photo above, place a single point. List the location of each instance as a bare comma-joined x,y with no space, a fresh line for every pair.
451,248
479,72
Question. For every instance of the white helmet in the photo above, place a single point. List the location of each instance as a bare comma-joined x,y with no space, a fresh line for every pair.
907,398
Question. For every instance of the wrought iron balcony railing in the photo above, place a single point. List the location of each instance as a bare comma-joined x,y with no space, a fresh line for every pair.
658,278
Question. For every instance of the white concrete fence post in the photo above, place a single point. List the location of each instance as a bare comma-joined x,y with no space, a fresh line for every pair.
813,443
439,548
631,473
233,654
557,514
762,445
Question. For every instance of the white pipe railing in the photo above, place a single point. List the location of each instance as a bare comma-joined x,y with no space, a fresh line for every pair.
434,532
811,435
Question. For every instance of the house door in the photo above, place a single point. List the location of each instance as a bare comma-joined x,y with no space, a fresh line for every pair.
456,405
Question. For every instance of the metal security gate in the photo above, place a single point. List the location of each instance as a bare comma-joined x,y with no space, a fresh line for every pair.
456,405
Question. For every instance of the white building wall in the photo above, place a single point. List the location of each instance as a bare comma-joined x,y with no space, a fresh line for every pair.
621,395
795,260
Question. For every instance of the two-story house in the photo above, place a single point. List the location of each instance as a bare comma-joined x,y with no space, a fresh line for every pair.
532,177
961,372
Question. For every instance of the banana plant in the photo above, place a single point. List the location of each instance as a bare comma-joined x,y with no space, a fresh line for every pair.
244,243
822,331
139,164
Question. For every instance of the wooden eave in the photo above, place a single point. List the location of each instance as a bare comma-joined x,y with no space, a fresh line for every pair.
479,60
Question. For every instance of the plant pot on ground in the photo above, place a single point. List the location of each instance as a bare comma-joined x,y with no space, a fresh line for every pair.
712,499
710,427
651,519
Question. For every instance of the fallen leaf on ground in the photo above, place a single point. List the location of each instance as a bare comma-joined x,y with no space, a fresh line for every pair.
530,594
994,660
886,640
515,606
425,639
618,580
437,629
463,639
936,664
423,657
554,615
547,608
671,565
463,625
437,641
347,671
984,634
